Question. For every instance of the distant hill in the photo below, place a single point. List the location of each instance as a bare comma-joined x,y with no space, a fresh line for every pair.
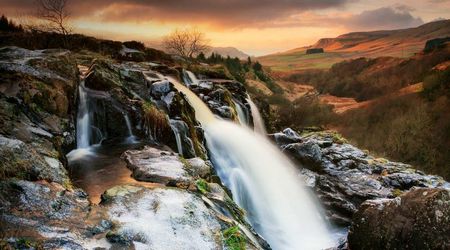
396,43
228,51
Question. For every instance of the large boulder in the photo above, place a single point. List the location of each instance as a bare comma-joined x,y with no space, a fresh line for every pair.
159,166
419,219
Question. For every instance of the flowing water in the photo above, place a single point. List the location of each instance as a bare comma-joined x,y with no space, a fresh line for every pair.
83,119
263,182
258,123
93,166
242,115
261,179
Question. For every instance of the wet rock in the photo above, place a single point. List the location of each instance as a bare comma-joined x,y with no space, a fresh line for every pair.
154,165
162,219
419,219
45,214
161,88
22,161
198,167
102,76
344,176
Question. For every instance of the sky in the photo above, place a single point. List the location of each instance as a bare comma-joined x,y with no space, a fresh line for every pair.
257,27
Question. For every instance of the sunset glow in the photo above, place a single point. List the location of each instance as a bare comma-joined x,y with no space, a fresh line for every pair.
256,27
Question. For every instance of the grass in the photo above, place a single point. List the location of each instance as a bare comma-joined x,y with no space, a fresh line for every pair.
298,60
233,238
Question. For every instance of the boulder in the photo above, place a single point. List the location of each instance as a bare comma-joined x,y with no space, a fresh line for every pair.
418,219
154,165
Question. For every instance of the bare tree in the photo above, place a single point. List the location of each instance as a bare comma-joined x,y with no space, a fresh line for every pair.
55,15
186,43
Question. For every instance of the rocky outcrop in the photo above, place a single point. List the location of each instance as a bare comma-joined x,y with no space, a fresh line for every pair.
37,97
344,176
419,219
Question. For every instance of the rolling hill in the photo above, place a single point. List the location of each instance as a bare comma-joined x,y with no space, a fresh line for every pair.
396,43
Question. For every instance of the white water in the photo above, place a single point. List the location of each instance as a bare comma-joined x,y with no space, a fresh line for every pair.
190,78
83,119
177,137
131,138
263,182
258,123
242,117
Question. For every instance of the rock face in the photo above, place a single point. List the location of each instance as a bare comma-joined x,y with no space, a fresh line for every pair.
37,102
344,176
419,219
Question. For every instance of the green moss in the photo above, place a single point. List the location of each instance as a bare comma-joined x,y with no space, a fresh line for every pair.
397,192
234,239
67,184
202,186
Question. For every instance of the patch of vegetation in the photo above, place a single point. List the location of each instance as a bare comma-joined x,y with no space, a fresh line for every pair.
304,112
234,239
397,192
155,121
202,186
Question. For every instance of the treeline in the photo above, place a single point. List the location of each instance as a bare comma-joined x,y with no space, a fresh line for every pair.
9,25
365,79
239,69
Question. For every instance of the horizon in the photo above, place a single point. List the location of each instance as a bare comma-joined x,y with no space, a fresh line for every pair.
255,27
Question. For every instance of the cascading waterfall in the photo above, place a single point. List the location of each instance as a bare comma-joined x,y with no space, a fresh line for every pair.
83,119
263,182
242,116
258,123
131,138
177,136
190,78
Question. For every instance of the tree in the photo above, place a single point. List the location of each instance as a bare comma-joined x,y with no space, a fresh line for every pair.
55,15
186,43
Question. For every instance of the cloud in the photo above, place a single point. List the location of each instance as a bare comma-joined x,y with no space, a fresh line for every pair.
219,12
384,18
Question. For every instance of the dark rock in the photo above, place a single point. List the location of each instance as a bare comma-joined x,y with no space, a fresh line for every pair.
419,219
344,176
102,76
314,51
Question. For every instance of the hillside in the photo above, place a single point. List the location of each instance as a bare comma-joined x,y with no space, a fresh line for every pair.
395,43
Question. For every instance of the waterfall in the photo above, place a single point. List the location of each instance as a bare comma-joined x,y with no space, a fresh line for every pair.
242,117
177,136
131,138
263,182
258,123
190,78
83,119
